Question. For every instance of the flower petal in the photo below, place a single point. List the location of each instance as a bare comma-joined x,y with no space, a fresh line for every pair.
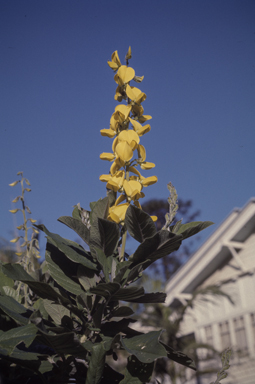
149,180
147,165
107,156
125,74
108,132
124,151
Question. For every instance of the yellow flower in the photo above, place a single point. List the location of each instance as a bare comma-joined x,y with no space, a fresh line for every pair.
133,189
117,212
124,75
146,181
129,54
147,165
124,145
119,119
116,182
141,153
116,165
115,63
140,130
137,111
14,183
15,240
14,210
135,94
105,178
107,132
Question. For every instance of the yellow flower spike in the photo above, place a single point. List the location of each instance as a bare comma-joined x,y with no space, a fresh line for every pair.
147,165
146,181
124,75
129,54
140,130
117,213
105,178
115,63
14,210
141,153
124,151
107,156
135,94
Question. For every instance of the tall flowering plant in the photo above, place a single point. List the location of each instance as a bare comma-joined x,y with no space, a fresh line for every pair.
76,322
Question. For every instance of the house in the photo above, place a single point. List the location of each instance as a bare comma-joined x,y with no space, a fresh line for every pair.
226,259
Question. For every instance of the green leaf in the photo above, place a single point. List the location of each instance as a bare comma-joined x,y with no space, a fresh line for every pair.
145,347
156,247
139,370
122,311
69,248
60,277
16,272
110,235
96,364
77,225
10,339
129,379
76,213
190,229
139,224
56,311
179,357
63,343
156,297
5,281
105,289
46,291
15,310
128,294
104,261
87,277
99,209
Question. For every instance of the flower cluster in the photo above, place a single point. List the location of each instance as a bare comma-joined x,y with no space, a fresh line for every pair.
126,129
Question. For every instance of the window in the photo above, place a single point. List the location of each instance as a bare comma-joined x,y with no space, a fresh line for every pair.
241,340
225,335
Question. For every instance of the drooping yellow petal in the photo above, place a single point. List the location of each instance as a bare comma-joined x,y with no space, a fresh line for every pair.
124,151
147,165
135,171
154,218
107,132
141,153
149,180
125,75
140,130
135,94
107,156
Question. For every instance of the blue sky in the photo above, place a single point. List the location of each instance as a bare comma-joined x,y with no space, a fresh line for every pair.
57,92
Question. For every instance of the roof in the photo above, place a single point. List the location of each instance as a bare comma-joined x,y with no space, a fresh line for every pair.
230,234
